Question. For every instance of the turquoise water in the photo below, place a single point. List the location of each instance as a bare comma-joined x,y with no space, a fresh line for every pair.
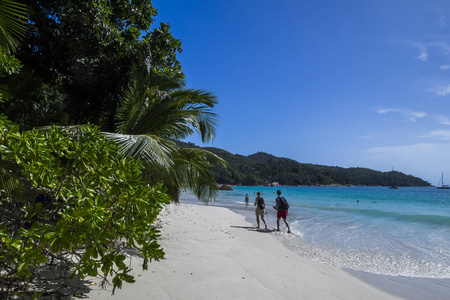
403,231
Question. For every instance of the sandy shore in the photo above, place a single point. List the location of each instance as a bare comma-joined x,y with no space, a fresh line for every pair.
214,253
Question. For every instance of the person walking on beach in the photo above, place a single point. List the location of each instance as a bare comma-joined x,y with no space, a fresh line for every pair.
282,210
260,209
247,198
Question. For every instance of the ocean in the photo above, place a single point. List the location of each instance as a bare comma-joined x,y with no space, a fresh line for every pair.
404,231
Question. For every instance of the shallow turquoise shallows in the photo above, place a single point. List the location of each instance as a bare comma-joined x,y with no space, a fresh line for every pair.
403,231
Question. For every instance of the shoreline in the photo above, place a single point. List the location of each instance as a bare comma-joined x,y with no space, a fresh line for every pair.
324,185
215,253
402,234
411,288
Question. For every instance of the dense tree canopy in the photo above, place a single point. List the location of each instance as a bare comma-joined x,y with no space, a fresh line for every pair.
80,54
262,169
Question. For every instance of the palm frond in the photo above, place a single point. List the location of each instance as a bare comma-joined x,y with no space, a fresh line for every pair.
178,117
195,106
157,110
135,98
70,129
165,83
148,148
194,98
12,24
193,170
190,172
8,183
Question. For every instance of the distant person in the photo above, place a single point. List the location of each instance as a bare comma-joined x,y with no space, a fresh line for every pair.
282,210
260,209
247,198
357,201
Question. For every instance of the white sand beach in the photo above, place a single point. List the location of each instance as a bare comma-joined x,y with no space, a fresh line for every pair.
214,253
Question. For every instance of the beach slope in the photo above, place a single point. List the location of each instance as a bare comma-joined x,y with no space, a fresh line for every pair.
214,253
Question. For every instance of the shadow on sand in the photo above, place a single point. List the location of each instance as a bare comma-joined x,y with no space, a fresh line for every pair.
255,229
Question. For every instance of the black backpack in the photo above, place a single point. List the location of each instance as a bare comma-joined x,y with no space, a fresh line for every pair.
284,205
260,202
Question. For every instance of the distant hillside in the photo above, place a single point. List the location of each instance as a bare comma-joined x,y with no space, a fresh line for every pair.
262,169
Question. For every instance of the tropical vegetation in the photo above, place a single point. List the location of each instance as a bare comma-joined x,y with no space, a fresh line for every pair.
71,205
12,24
105,89
264,169
156,111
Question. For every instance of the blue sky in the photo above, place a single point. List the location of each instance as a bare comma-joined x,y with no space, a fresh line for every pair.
341,83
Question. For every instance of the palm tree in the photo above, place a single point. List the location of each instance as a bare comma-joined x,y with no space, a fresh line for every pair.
12,27
157,111
12,24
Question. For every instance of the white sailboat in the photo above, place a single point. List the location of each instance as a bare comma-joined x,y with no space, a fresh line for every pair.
441,184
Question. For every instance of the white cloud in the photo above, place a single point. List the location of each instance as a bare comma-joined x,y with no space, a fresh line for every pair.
440,134
410,115
424,48
443,120
423,54
441,90
443,46
413,116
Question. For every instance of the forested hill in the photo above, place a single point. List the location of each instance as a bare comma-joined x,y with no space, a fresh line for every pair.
262,169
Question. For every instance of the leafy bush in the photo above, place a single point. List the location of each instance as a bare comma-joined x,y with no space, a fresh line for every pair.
70,205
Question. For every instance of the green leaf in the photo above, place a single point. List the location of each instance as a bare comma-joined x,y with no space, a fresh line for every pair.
128,278
23,232
42,259
17,244
36,296
55,245
22,268
117,282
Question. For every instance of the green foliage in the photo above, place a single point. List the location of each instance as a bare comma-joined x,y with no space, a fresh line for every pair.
31,102
93,205
9,65
12,24
262,169
85,49
164,49
157,110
